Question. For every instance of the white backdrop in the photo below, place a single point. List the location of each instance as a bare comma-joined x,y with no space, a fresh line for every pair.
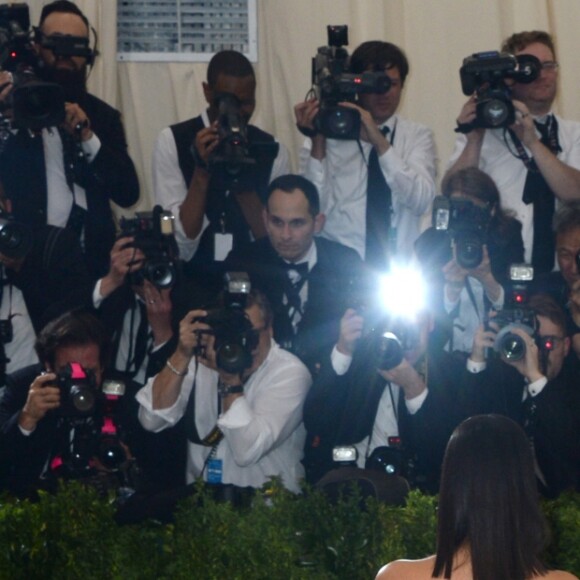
435,34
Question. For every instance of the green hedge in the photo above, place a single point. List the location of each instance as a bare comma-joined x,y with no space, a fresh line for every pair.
73,535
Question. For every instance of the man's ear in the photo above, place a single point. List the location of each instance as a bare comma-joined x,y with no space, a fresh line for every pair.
319,222
207,93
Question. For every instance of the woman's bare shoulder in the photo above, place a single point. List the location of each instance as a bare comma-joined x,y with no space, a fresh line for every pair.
408,569
559,575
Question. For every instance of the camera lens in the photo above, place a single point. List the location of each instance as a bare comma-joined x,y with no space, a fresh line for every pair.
468,250
233,357
512,346
161,274
82,398
390,351
339,123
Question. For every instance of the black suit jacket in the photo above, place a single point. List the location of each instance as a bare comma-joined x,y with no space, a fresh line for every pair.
53,277
111,176
555,429
330,293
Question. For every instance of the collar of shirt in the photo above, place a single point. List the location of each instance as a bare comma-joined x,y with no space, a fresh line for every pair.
310,257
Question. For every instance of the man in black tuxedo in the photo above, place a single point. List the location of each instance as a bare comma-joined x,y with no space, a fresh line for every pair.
67,175
536,390
32,430
308,280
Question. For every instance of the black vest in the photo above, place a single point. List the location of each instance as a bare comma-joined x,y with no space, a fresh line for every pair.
221,205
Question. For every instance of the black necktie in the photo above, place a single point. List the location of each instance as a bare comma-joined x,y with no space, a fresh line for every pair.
378,214
296,278
537,191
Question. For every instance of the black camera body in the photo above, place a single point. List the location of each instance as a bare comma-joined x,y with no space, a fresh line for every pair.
153,235
235,337
333,83
485,74
78,391
467,225
35,104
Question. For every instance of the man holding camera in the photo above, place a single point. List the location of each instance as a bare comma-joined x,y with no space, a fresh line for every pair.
375,188
244,426
385,387
217,203
536,161
530,384
35,437
309,280
67,175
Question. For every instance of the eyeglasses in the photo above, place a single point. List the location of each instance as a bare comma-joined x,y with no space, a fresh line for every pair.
550,66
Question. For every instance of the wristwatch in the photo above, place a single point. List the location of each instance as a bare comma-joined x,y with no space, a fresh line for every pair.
225,390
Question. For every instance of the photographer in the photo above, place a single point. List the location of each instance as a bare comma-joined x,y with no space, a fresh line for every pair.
373,188
66,176
39,440
243,427
470,260
382,392
533,388
564,284
215,210
308,280
536,160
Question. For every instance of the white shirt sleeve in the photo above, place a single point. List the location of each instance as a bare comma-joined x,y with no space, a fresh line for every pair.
170,189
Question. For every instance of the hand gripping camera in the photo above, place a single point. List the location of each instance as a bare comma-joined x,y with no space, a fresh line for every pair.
333,84
485,74
153,235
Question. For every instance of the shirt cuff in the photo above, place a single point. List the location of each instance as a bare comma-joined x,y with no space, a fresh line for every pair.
414,404
97,298
340,362
498,304
91,147
537,386
475,367
25,432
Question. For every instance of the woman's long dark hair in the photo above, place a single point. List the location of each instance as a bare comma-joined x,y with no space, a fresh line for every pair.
489,502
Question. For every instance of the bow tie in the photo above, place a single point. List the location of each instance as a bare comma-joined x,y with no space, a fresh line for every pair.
301,268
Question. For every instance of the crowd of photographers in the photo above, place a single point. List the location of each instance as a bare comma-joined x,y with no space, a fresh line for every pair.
244,329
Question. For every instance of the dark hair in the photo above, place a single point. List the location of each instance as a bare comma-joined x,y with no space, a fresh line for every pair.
62,6
488,502
379,55
567,218
478,184
230,63
545,305
73,328
289,183
520,40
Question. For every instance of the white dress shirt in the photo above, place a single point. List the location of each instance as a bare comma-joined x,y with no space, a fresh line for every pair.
59,196
263,431
170,189
409,167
